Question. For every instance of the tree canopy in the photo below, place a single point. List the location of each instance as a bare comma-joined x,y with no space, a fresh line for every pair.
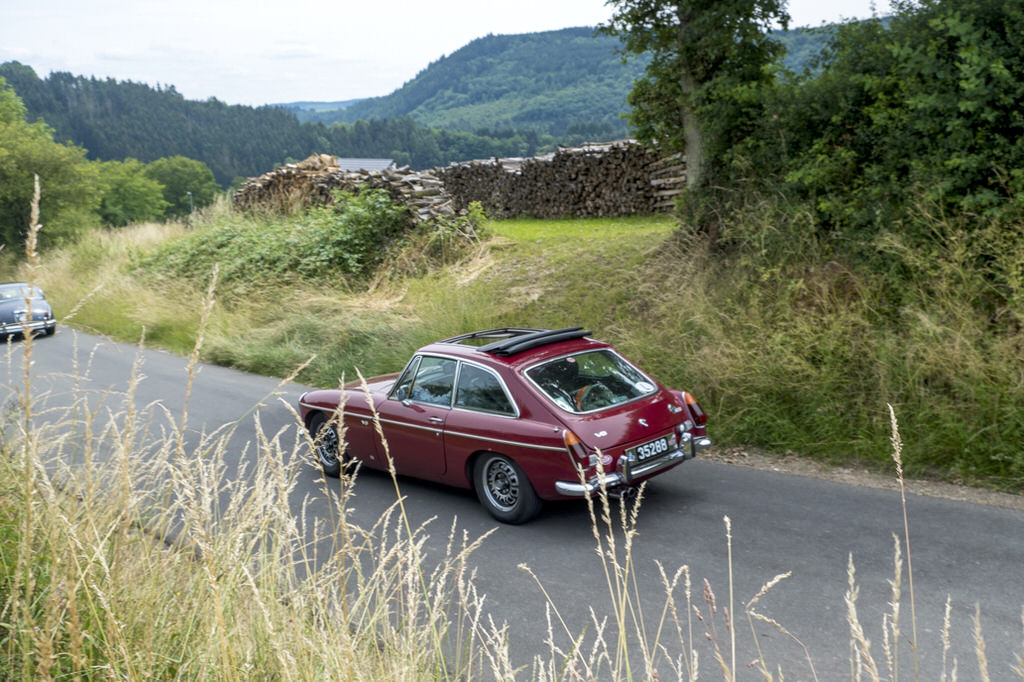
68,180
929,103
187,184
707,57
118,120
128,195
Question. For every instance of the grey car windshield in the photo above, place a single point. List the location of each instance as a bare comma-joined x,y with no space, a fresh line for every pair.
590,381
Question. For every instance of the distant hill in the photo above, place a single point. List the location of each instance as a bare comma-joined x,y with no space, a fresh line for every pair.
570,82
554,82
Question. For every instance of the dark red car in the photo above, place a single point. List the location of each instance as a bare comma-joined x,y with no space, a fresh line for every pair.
518,415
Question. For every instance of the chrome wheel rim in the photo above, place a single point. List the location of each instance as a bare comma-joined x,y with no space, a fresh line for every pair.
501,483
327,445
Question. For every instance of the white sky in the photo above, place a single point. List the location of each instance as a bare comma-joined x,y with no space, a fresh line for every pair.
269,51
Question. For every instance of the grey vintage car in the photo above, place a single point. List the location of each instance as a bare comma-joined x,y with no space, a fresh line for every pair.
24,308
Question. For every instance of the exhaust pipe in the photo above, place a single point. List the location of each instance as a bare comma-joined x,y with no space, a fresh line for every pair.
627,494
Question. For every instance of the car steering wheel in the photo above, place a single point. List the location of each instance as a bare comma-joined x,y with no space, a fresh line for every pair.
580,394
591,393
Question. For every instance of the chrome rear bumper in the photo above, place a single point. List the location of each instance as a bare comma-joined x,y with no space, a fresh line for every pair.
612,480
20,327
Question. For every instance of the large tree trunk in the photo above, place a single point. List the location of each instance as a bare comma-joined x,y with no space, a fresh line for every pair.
693,136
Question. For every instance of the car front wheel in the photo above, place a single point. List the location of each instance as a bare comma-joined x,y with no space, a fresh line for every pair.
504,490
326,444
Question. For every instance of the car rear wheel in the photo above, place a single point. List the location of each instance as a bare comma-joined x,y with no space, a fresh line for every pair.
326,444
504,490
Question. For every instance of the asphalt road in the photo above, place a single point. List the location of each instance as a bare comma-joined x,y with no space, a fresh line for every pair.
972,553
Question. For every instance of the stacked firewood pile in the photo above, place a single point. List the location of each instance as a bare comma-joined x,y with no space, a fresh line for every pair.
609,179
285,188
615,178
315,180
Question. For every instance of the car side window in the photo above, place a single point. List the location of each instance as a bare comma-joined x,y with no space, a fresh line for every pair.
479,389
433,381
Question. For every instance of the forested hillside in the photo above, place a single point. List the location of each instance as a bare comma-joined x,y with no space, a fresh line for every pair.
555,82
571,84
115,120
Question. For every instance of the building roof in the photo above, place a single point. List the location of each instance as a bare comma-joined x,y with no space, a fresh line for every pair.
364,164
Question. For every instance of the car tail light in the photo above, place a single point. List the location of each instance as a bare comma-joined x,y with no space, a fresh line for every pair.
698,414
575,446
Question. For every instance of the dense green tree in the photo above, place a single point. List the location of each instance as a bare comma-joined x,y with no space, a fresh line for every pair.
698,92
67,179
927,104
187,184
128,194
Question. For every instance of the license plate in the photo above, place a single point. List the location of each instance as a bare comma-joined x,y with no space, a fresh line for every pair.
649,450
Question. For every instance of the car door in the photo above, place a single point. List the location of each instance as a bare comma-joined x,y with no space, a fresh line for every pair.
414,415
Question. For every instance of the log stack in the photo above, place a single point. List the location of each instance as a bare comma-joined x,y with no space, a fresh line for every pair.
591,180
286,188
315,180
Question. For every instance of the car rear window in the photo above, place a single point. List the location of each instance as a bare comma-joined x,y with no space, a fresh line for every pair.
590,381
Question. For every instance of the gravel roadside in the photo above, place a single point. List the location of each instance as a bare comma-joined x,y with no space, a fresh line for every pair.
799,466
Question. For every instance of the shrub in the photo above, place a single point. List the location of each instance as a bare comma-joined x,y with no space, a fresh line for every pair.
345,241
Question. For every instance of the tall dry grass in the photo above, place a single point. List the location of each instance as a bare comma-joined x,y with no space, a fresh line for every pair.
132,549
143,552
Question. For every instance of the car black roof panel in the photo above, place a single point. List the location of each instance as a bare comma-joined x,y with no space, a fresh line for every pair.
512,340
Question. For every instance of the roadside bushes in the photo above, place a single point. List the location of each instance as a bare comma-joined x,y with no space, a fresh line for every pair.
346,240
795,345
357,237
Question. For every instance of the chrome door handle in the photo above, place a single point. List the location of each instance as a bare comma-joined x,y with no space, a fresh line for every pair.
437,420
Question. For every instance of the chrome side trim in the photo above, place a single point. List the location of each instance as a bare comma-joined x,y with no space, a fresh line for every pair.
499,441
548,448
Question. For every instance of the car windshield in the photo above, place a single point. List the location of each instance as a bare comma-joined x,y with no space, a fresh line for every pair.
22,291
590,381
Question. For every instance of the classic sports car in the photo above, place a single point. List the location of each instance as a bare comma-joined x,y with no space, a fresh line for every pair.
518,415
24,308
